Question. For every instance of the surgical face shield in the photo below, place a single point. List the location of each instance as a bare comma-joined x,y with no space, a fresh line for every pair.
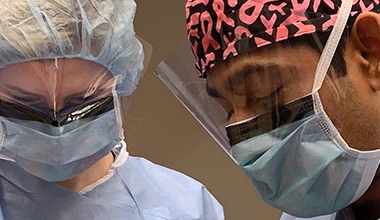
271,88
58,117
55,92
177,72
251,77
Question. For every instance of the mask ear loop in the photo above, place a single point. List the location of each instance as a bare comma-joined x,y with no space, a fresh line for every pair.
332,43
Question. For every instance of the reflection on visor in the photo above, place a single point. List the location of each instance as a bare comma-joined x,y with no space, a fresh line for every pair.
264,123
60,118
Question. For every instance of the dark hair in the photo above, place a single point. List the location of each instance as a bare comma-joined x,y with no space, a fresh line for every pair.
317,42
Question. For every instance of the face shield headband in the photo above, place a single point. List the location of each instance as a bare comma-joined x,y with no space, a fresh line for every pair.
21,112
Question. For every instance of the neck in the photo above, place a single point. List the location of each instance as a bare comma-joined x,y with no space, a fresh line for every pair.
91,175
368,206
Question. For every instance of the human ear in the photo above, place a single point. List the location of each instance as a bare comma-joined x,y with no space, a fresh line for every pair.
365,37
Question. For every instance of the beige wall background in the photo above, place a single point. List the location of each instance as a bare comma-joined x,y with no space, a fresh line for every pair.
160,129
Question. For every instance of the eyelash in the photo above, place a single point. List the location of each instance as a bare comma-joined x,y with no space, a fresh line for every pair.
229,115
265,99
26,100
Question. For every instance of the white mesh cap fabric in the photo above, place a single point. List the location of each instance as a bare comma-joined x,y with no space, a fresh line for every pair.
97,30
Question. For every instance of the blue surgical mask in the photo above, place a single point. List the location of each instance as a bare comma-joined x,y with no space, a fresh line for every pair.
299,169
60,153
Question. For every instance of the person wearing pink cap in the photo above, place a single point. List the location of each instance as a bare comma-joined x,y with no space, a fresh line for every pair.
299,84
67,69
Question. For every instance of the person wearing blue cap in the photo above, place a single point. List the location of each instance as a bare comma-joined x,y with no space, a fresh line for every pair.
63,67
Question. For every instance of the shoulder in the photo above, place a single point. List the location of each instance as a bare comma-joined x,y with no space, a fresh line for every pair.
167,178
159,172
172,188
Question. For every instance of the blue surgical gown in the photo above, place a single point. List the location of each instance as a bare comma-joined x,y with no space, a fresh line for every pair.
136,189
344,214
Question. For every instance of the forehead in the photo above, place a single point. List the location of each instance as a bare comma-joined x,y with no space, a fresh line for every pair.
53,80
52,72
60,67
300,56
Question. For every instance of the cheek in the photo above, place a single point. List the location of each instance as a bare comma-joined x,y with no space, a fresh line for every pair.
361,123
335,103
354,116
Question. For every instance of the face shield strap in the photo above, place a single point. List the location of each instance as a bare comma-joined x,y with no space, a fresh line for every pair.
17,111
264,123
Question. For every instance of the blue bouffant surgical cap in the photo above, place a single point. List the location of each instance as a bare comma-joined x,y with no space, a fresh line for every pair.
96,30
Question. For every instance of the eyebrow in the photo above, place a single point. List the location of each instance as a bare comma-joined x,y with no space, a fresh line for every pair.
20,90
211,91
239,75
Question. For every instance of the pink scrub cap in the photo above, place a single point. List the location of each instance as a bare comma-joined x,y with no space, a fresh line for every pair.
219,29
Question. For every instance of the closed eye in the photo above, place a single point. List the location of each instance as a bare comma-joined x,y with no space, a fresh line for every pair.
27,100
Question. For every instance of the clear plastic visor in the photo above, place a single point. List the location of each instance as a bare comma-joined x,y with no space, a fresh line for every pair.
272,84
56,91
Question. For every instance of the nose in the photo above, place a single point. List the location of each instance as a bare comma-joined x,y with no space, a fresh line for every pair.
60,121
